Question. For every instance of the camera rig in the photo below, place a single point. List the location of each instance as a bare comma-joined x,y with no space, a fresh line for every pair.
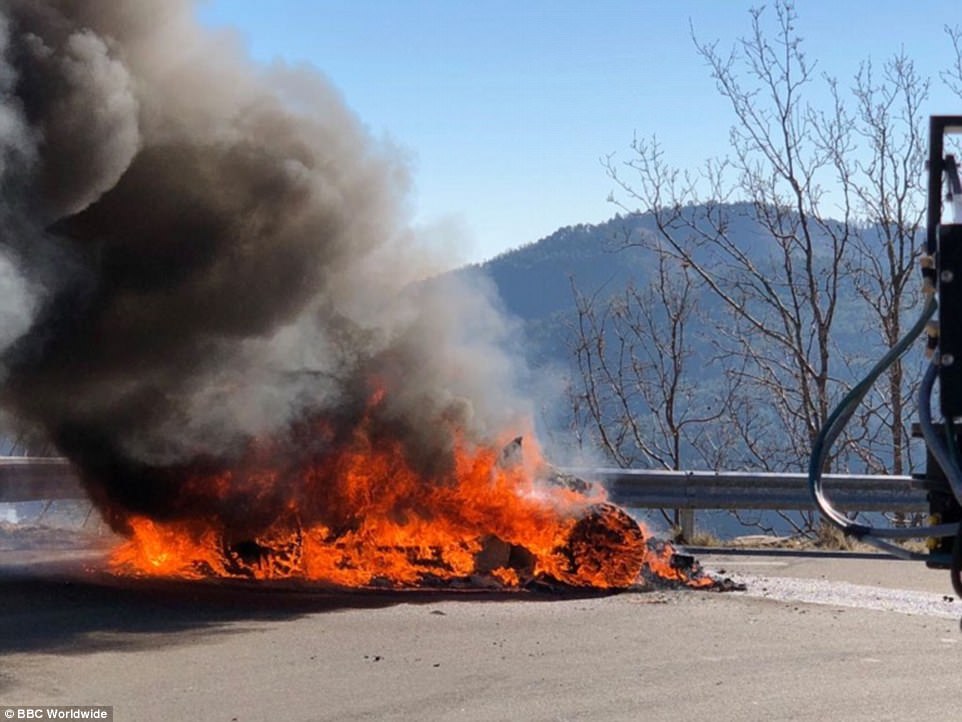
941,321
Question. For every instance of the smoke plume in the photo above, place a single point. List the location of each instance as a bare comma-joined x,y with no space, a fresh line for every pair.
198,254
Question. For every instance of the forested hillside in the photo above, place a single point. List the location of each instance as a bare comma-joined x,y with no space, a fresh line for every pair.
603,282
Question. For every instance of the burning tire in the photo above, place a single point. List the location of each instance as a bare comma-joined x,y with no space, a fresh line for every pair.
606,549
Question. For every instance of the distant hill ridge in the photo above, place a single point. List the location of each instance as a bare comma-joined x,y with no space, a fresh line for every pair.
535,280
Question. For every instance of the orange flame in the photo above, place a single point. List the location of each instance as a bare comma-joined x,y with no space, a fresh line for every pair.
484,521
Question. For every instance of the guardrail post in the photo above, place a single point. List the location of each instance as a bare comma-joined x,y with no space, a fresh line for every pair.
685,518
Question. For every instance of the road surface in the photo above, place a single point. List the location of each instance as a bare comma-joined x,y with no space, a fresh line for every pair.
880,643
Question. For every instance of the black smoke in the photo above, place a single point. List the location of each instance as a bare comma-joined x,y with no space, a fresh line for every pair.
198,254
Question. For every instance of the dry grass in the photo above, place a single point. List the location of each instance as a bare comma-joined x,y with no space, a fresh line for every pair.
698,539
705,539
827,537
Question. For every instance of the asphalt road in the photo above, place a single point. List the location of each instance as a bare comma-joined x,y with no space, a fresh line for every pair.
880,643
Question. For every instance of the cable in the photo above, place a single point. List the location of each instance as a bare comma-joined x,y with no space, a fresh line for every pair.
834,425
943,453
840,417
897,551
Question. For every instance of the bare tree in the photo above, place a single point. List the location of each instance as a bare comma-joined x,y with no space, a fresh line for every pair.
829,212
636,395
635,389
886,183
952,76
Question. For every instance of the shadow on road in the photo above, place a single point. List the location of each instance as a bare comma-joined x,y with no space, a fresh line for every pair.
61,608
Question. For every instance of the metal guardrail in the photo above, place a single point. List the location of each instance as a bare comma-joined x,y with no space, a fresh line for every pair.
30,478
33,478
654,489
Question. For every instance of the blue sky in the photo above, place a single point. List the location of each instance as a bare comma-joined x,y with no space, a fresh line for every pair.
506,108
